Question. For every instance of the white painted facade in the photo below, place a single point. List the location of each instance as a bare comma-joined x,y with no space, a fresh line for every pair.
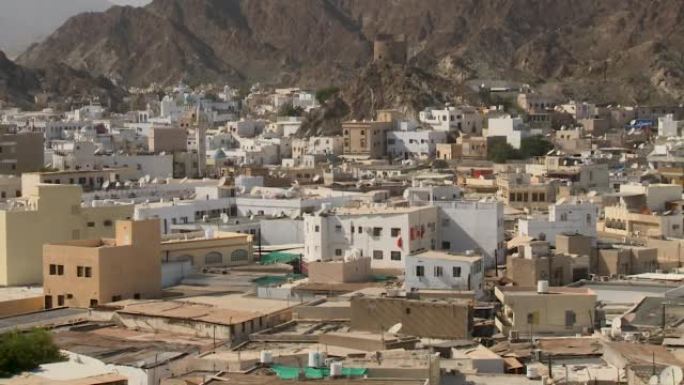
386,235
422,143
572,217
464,119
668,127
511,128
442,270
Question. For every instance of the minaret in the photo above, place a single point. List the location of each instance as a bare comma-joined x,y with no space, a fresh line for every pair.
201,141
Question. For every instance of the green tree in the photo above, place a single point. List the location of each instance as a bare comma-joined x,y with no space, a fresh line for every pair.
290,110
499,151
323,94
22,351
534,146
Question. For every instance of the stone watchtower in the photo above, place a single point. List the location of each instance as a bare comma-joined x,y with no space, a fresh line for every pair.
390,49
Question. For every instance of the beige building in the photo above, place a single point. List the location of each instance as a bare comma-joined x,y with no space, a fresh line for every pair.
20,151
550,311
450,319
521,191
341,271
210,249
366,139
48,214
86,273
10,187
165,139
448,151
89,180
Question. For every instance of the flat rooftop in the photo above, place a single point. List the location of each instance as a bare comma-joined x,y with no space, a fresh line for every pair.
13,293
445,255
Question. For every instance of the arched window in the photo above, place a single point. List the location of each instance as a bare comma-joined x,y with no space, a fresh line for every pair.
213,258
239,255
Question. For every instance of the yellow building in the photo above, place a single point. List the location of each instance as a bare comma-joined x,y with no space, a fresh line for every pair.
545,311
210,249
48,214
85,273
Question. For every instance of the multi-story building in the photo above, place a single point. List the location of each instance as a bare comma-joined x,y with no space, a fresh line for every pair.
511,128
545,311
464,119
20,151
644,211
366,139
418,143
522,191
444,270
90,272
49,214
567,216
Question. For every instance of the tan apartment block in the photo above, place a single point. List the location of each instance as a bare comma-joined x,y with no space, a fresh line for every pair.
20,151
167,139
50,214
552,311
342,271
87,273
367,139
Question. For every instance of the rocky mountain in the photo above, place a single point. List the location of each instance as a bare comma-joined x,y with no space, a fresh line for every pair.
629,51
24,22
20,85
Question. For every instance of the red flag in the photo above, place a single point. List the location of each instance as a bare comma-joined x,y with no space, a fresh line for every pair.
400,243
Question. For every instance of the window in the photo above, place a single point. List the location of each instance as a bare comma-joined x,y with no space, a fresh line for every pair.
88,271
338,252
438,271
360,230
395,232
395,256
420,271
60,269
338,228
533,318
570,318
377,254
107,223
53,269
239,255
456,271
136,296
91,224
588,219
317,228
446,245
60,300
116,298
93,303
79,271
377,231
213,258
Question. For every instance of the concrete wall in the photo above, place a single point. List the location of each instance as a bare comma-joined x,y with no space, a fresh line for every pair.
21,306
355,270
172,273
418,318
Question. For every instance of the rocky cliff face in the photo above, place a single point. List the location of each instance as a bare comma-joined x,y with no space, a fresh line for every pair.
628,51
20,85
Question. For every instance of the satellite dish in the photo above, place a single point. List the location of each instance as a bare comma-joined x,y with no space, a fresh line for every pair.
617,322
148,178
105,185
672,375
395,329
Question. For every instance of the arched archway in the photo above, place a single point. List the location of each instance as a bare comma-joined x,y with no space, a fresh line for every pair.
239,255
213,258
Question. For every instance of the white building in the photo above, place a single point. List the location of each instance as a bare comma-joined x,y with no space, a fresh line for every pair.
509,127
565,217
463,119
443,270
385,234
420,143
285,126
668,127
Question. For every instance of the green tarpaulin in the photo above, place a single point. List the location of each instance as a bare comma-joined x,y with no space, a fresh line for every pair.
292,372
274,280
278,257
